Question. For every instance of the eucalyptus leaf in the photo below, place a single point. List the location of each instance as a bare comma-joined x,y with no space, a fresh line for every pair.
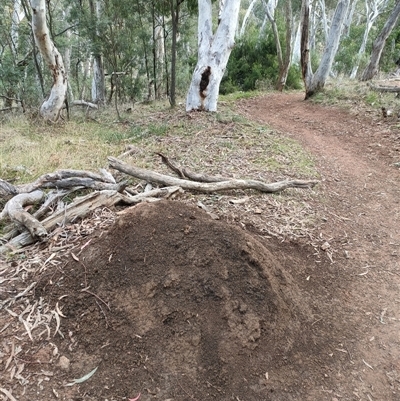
83,378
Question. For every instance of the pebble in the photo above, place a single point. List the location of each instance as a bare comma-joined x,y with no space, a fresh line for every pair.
64,363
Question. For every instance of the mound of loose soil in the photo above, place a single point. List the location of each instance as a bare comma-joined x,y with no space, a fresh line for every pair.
177,306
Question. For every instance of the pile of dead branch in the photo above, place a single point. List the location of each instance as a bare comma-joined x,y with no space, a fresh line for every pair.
50,191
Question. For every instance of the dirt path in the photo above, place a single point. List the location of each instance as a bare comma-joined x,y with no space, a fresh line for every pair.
165,301
355,156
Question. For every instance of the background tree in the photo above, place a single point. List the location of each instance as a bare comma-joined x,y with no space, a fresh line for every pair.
52,106
213,54
379,43
314,82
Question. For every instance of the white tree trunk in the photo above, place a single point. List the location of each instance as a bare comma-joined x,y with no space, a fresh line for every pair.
296,53
379,43
51,108
17,16
98,84
324,19
319,78
373,9
213,54
246,17
349,18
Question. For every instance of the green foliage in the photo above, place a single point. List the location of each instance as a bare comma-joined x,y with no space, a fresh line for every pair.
253,64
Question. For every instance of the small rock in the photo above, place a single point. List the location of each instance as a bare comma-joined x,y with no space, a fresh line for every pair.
64,363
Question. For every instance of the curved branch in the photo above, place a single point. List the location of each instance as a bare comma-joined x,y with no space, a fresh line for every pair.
207,187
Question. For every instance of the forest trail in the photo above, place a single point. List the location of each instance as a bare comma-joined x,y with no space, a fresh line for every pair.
355,155
165,301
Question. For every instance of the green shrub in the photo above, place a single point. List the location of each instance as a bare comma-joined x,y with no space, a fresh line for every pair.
253,64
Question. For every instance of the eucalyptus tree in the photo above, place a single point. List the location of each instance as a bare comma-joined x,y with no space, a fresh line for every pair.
51,107
98,84
214,49
314,82
379,43
373,8
283,60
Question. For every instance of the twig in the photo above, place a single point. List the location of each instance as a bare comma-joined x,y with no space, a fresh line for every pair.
96,296
105,316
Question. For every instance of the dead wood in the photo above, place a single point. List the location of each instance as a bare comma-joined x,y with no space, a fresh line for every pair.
85,104
86,183
64,179
184,172
82,207
162,179
52,199
14,209
7,190
380,88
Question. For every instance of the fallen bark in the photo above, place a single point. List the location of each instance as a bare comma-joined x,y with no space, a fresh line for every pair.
162,179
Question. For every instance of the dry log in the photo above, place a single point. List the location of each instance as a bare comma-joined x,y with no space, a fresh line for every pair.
51,199
7,190
84,103
86,183
184,172
79,208
380,88
64,179
14,209
207,187
83,206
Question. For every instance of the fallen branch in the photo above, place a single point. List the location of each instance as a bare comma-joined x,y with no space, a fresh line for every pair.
7,189
14,209
84,103
64,179
184,172
380,88
52,198
82,207
162,179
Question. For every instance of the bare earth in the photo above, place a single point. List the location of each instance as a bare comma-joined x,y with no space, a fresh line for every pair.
174,305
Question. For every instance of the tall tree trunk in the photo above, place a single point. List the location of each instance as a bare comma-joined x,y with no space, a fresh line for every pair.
372,15
51,108
213,54
246,17
380,42
175,4
98,82
283,63
349,18
296,51
315,82
284,68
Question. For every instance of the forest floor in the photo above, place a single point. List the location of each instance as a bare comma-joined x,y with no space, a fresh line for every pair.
169,302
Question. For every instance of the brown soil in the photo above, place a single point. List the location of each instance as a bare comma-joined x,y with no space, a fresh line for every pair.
174,305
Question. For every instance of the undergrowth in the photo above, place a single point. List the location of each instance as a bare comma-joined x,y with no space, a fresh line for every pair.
223,142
